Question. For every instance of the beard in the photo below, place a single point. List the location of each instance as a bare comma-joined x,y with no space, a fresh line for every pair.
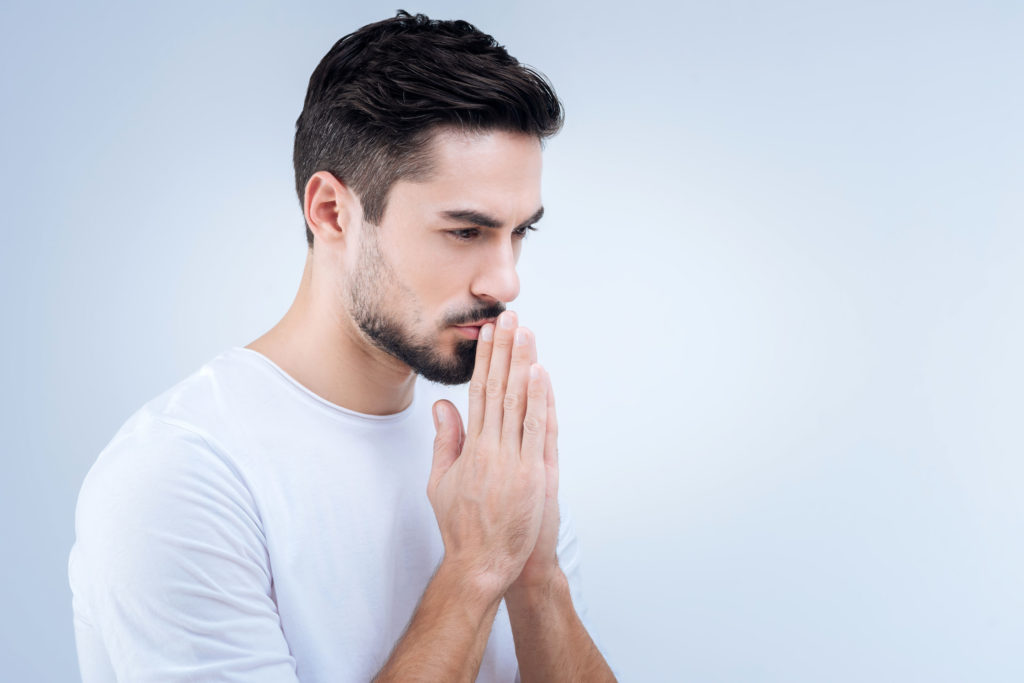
368,294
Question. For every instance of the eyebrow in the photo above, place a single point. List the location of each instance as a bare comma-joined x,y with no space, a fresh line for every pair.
485,221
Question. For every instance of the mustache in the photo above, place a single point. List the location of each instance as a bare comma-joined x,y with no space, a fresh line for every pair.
492,311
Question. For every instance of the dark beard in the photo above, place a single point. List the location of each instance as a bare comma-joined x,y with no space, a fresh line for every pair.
422,358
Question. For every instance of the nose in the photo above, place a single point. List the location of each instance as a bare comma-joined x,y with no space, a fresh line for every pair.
497,278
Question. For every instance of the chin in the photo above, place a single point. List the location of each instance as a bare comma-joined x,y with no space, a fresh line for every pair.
456,366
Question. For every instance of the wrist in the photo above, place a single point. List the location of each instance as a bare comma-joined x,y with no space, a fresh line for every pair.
477,583
538,587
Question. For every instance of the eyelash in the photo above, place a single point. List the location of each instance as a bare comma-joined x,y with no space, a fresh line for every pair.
467,234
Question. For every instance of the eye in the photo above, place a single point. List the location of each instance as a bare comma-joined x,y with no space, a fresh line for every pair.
521,232
464,235
469,234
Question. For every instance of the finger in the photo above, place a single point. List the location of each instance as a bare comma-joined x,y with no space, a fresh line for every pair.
497,375
478,383
524,354
551,439
535,423
448,425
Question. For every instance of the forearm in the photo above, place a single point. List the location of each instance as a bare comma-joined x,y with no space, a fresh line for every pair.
551,642
446,637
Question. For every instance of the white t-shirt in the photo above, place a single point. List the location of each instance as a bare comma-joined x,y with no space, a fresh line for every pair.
239,527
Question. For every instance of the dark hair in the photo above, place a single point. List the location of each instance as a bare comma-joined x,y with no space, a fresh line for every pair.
380,93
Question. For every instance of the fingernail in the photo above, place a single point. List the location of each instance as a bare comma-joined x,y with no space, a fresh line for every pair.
440,415
534,371
520,337
506,321
487,332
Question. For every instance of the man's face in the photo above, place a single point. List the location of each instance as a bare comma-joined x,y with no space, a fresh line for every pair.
443,259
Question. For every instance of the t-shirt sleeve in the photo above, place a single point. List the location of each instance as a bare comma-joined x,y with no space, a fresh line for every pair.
169,572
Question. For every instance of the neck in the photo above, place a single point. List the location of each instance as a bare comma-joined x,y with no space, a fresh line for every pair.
319,345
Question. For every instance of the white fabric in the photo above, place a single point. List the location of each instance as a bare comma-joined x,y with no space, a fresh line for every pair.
239,527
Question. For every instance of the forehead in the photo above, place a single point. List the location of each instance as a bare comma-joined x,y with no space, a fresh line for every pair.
495,172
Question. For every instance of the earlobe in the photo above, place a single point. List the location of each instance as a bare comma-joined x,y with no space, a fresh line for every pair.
329,207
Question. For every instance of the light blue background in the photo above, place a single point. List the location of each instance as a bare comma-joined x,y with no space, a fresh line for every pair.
779,288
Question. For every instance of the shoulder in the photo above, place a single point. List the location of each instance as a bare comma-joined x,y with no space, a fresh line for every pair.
179,441
150,458
157,484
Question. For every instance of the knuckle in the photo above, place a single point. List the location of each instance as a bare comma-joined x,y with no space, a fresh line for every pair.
533,425
512,401
495,388
477,388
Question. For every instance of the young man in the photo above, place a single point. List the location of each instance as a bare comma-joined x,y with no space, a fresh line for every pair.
265,519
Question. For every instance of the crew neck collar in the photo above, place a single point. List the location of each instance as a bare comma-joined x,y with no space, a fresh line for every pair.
333,407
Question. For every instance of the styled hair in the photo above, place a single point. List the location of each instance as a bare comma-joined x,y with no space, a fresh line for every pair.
380,94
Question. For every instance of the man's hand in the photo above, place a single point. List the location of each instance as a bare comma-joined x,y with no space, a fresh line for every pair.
488,484
542,565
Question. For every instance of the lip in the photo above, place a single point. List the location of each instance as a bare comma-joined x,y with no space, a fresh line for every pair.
472,331
478,324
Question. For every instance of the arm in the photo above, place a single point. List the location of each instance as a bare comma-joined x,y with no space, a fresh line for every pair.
446,637
551,641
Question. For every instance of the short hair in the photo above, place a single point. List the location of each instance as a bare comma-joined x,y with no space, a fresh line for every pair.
380,94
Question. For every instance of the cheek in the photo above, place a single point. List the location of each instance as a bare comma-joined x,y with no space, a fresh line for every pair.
440,273
437,273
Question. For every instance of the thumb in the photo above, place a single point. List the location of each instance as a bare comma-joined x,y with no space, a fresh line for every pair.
447,441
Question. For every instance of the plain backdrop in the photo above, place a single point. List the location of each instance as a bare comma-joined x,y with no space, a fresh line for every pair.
779,288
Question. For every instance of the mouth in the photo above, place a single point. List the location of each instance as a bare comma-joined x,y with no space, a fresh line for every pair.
472,331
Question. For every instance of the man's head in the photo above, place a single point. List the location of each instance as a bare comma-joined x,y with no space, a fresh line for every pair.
380,93
417,159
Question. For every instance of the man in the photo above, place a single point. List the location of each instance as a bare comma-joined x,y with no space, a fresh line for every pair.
265,519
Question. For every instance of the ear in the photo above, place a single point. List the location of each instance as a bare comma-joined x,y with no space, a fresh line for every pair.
330,208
